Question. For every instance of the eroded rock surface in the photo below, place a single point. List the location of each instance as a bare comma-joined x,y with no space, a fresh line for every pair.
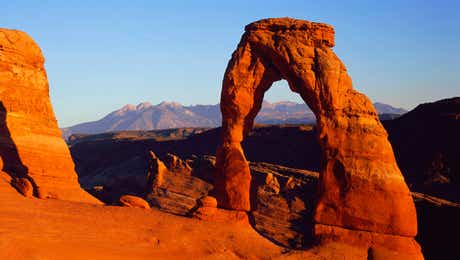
23,186
361,188
173,188
30,141
282,204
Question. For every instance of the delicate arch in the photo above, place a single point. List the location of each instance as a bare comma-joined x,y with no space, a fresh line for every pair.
360,186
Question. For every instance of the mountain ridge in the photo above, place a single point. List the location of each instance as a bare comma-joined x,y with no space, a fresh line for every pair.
170,114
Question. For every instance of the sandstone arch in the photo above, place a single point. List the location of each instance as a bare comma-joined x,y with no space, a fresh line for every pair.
361,186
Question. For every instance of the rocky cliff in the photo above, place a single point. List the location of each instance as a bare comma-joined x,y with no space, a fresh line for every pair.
31,146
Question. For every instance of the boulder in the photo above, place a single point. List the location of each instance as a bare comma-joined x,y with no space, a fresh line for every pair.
133,202
30,141
207,201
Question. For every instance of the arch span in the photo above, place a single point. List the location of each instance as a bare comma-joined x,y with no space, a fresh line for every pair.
361,186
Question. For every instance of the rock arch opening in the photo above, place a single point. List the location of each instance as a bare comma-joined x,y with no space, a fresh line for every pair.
284,114
285,106
361,188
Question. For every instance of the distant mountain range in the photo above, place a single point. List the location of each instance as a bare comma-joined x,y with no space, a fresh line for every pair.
146,116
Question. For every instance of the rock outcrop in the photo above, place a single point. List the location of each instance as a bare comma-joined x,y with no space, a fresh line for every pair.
207,201
172,187
282,204
23,186
30,141
361,188
133,202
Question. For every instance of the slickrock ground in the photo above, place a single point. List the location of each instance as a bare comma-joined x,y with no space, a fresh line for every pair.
53,229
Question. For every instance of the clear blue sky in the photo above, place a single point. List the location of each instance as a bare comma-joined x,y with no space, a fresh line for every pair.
101,55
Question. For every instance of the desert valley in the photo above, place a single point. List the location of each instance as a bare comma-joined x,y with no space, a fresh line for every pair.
338,177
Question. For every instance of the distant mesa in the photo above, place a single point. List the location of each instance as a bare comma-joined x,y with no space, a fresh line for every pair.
146,116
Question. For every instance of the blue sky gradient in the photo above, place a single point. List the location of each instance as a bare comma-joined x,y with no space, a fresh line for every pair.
101,55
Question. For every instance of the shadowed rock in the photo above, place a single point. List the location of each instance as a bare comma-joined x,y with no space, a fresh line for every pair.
173,188
282,204
426,142
23,186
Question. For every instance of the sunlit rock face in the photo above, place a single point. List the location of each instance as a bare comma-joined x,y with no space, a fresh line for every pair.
30,141
361,187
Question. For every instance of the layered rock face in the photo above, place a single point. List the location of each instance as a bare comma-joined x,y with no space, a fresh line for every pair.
30,141
282,204
361,188
171,185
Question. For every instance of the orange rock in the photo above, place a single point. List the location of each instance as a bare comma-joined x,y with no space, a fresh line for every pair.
171,187
205,213
377,245
233,182
133,202
221,215
176,164
360,186
156,172
23,186
207,201
30,140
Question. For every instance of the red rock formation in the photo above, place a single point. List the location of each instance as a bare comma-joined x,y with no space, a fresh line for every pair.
361,187
207,201
133,202
170,185
23,186
30,141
